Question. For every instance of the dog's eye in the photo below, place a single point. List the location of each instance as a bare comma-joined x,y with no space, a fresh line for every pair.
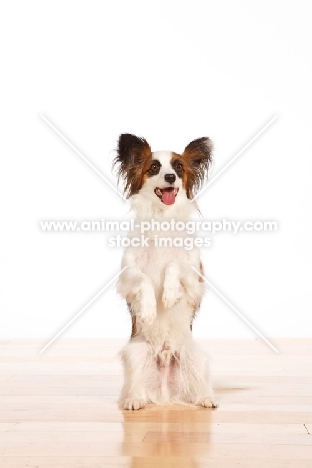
179,167
154,167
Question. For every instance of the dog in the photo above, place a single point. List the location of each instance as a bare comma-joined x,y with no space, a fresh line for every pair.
162,364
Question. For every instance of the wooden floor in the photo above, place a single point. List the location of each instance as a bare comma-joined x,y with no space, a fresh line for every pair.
59,409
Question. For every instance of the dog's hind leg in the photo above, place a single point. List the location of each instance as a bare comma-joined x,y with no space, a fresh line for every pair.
137,358
192,377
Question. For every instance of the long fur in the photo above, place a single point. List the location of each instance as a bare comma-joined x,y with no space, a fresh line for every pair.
162,363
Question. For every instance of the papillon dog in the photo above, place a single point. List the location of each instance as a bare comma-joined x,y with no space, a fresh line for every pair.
162,364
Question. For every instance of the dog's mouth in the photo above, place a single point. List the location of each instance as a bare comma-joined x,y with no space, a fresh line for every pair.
167,194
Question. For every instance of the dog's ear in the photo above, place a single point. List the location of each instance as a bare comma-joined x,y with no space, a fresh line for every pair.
198,157
132,153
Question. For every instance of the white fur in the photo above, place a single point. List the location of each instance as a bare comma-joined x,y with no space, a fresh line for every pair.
162,363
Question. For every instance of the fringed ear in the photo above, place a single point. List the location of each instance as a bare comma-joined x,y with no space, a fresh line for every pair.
198,157
132,153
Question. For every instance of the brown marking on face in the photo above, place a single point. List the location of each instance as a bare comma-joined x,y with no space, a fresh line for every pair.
150,168
180,167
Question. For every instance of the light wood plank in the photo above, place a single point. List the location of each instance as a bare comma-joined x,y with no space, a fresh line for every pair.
112,414
60,368
125,427
116,444
208,437
139,436
148,462
212,428
5,426
225,381
92,403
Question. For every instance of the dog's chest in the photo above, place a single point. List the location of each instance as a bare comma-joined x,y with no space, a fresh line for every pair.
153,260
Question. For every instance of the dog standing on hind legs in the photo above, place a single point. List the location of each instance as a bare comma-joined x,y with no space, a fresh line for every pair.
162,363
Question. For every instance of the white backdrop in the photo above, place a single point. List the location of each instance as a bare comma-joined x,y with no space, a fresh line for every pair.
170,71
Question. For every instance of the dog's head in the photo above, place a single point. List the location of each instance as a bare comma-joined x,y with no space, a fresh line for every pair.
163,176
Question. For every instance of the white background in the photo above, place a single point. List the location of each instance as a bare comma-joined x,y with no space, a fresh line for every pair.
171,72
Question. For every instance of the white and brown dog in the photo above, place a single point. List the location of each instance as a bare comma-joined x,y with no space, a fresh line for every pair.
162,363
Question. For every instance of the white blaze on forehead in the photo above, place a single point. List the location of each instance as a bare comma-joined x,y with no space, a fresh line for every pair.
164,157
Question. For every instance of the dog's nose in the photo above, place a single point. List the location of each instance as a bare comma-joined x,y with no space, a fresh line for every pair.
170,178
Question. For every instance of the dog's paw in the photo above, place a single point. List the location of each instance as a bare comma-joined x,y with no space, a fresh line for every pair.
134,404
148,313
148,309
208,402
171,295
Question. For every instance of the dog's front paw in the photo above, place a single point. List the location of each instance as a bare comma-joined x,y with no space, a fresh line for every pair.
148,309
208,402
171,295
134,403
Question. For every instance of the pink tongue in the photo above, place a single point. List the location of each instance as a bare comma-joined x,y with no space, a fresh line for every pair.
168,197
